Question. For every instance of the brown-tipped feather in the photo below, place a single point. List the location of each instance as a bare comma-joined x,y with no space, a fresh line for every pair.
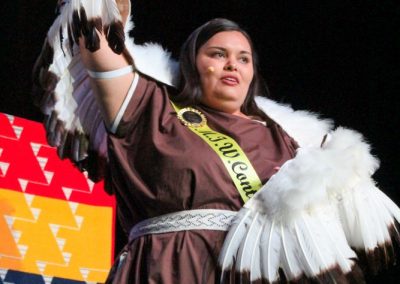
95,165
61,149
61,40
378,259
116,37
383,256
50,126
44,60
76,26
88,30
98,24
59,132
48,80
75,145
71,41
83,22
84,146
40,68
92,39
332,275
394,231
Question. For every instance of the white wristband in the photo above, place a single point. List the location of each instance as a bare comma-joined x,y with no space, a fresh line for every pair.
111,74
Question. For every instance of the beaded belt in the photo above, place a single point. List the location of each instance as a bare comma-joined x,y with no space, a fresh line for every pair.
199,219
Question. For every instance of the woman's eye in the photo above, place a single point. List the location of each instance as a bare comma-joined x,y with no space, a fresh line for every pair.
218,54
244,59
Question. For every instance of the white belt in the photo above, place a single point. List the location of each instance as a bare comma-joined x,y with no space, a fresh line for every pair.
200,219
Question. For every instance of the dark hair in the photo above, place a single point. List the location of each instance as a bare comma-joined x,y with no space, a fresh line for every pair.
189,84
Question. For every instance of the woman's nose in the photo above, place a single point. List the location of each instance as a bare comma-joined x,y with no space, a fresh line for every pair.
230,67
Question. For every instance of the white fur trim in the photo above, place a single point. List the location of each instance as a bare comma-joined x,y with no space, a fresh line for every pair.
305,127
152,60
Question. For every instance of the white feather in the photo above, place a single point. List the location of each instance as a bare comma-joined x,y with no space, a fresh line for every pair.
389,204
289,262
248,245
310,264
255,262
93,9
302,198
110,12
369,215
270,250
233,240
336,237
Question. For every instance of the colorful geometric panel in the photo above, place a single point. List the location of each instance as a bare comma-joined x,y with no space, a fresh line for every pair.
56,226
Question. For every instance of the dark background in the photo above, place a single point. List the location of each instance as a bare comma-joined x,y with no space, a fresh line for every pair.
338,58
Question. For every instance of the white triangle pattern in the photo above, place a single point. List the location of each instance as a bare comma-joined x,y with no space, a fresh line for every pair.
35,213
35,148
85,272
73,206
54,228
16,235
3,273
22,250
61,243
79,221
47,279
67,257
10,118
90,184
41,266
67,192
10,221
18,131
49,176
23,183
29,198
42,162
4,168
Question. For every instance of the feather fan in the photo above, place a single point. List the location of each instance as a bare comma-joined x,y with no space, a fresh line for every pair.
62,86
319,202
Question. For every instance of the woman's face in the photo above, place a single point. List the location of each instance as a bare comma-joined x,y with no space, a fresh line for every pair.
225,65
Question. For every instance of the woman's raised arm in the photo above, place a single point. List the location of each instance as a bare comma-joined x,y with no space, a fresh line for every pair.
110,91
110,86
84,73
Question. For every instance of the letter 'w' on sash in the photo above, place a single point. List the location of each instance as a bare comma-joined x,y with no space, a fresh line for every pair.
234,159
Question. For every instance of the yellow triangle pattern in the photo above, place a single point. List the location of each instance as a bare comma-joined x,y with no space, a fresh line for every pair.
50,237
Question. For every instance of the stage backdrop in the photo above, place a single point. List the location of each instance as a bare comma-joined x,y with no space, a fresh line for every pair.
56,226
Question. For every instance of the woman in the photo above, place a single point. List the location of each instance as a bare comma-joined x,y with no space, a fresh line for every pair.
169,168
190,158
